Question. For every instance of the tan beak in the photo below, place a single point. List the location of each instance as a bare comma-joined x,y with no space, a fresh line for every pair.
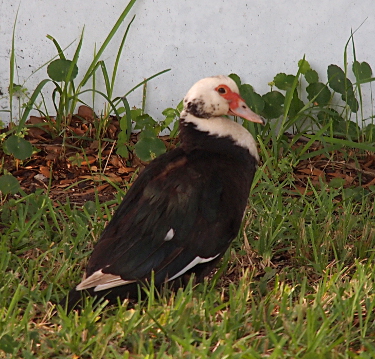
239,108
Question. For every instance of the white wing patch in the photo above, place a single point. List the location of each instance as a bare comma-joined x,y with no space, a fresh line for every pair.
169,235
193,263
101,281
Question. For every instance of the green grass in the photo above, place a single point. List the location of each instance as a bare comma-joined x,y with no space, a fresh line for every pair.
299,283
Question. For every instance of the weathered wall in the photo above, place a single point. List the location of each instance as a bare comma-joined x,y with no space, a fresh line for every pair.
195,38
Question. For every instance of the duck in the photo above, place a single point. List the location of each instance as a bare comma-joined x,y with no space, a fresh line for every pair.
185,208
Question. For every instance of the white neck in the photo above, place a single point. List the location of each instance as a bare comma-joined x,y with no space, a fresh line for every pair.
223,127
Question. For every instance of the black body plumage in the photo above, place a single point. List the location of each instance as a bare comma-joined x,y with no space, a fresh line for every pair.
187,204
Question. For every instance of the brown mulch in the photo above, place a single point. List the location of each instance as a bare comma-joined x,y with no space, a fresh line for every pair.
353,167
83,166
77,166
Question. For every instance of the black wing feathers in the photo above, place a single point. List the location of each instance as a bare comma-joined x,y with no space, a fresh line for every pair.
188,193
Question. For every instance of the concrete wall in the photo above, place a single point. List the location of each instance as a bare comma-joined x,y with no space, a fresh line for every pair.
195,38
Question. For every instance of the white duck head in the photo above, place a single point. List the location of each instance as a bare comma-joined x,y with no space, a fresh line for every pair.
217,96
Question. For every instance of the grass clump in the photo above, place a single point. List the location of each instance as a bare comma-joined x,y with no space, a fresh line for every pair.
299,283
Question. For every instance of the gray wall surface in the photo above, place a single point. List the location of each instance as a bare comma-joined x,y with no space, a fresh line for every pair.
195,38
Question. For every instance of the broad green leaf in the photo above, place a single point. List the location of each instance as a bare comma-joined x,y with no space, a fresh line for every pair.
58,70
18,147
296,105
122,145
122,150
350,99
170,111
143,121
17,89
337,79
356,194
283,81
120,110
319,93
327,114
361,70
147,132
274,104
253,100
175,129
9,184
311,76
336,182
345,128
171,114
8,344
369,131
304,66
168,120
148,148
236,79
135,113
90,207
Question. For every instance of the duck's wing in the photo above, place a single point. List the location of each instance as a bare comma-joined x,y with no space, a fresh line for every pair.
175,216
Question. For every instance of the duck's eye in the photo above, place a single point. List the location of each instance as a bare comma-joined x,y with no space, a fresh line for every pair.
222,90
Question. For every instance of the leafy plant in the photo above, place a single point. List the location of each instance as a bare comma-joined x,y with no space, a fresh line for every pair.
63,72
15,144
67,93
18,147
149,145
9,184
305,106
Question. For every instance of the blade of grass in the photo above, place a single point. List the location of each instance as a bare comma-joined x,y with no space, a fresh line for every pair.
106,42
313,138
110,102
12,62
107,82
69,82
346,143
31,102
128,118
119,53
143,82
288,101
60,51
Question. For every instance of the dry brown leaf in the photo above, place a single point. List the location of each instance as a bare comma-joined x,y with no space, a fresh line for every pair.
371,183
45,171
53,148
89,160
312,171
66,182
86,112
126,170
93,190
78,131
336,175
